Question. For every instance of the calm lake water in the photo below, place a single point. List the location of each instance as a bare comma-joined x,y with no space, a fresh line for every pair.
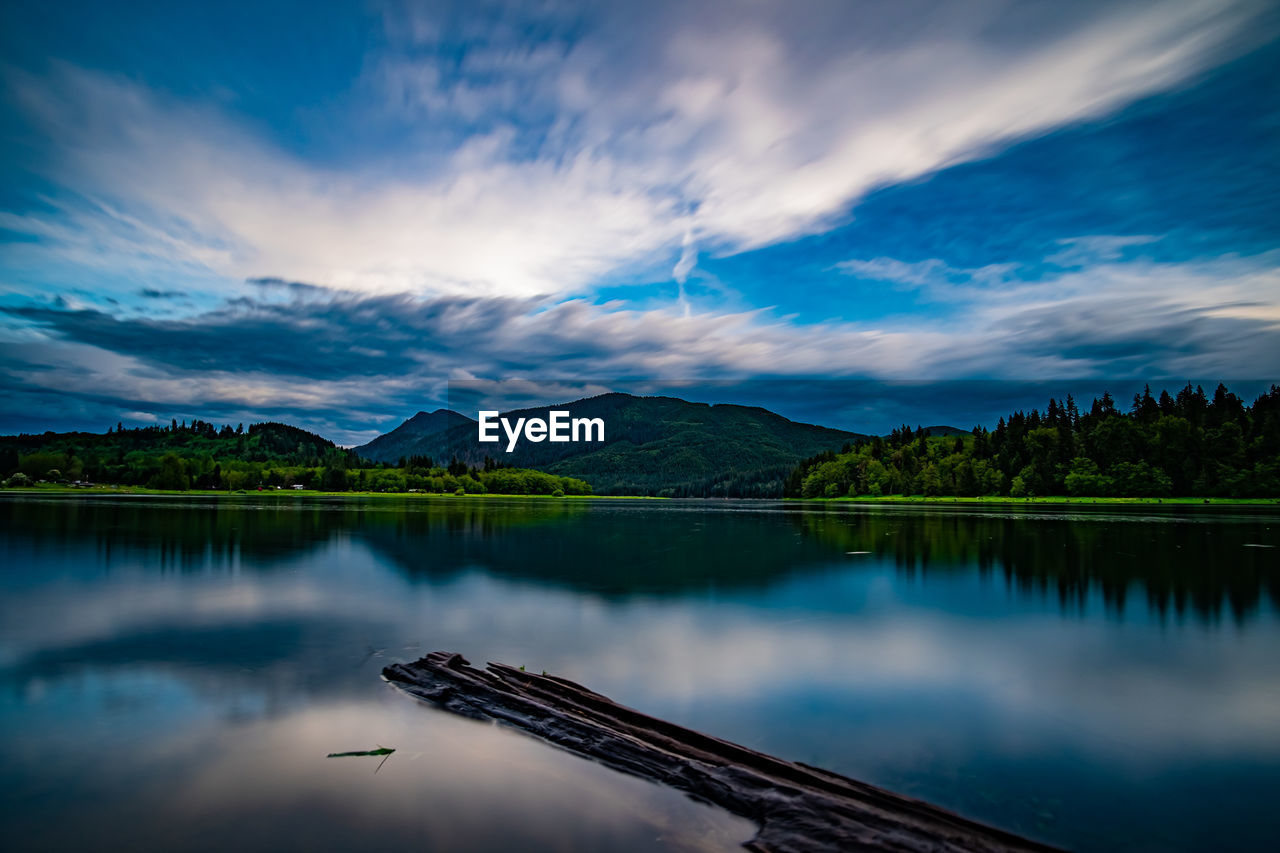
174,671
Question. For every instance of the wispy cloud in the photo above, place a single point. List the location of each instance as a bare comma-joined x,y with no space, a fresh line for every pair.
1096,248
547,166
933,277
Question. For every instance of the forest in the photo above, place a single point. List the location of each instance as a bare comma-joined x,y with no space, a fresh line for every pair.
199,455
1181,445
1187,444
657,446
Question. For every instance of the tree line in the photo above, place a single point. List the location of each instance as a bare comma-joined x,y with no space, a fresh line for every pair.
269,455
1185,444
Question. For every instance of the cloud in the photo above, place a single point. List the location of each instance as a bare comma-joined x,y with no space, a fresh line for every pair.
932,277
688,259
154,293
214,195
501,172
348,360
525,166
1082,251
774,129
1092,269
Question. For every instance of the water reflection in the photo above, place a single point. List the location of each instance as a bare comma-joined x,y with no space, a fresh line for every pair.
1181,563
187,664
1200,562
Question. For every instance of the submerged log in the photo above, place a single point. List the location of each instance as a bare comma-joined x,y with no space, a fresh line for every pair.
797,807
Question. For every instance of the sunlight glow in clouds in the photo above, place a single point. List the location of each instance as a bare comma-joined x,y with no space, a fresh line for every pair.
736,131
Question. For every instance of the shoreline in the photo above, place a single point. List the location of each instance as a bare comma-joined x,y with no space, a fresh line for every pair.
865,500
295,493
998,500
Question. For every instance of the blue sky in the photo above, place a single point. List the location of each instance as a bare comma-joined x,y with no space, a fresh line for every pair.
324,213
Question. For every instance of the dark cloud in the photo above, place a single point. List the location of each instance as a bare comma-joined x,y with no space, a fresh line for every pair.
349,365
1136,337
340,337
274,283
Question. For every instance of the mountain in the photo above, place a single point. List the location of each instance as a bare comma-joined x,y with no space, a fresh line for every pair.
177,456
653,445
402,440
946,431
263,442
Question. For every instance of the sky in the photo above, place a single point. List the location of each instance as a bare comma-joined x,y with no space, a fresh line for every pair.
325,213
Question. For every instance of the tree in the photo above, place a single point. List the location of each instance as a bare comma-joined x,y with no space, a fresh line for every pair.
333,479
172,475
1138,479
1085,478
38,465
1042,444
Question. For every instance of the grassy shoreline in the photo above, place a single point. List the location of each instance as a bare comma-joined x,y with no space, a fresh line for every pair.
883,499
1074,501
294,493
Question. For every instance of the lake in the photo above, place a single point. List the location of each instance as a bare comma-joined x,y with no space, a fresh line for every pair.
174,671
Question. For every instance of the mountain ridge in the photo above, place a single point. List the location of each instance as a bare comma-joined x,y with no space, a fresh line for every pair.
653,445
391,446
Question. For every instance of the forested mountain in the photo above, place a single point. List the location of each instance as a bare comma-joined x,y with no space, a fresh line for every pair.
267,455
1178,445
406,439
195,455
655,446
1181,445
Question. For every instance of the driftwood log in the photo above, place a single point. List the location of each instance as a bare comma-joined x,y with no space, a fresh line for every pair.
798,807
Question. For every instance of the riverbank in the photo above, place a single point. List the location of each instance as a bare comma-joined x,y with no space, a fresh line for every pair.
303,493
47,489
998,500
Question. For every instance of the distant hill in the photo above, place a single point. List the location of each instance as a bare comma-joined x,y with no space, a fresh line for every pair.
138,456
946,431
262,442
653,445
402,440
